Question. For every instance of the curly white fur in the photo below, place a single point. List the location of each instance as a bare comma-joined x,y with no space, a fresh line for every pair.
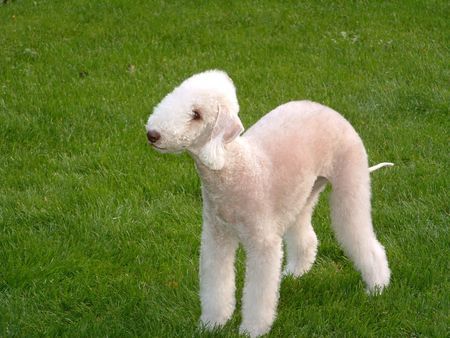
262,186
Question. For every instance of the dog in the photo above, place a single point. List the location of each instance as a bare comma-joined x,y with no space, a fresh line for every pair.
261,187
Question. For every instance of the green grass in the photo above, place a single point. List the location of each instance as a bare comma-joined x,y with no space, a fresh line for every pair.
99,236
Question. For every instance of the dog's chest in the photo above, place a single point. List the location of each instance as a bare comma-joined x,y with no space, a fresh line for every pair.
232,207
227,211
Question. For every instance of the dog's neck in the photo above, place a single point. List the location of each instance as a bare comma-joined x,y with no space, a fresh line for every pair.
237,162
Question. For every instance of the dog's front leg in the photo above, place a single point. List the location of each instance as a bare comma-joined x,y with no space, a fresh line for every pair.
217,285
261,285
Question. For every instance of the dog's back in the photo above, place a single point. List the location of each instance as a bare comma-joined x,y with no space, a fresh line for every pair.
302,135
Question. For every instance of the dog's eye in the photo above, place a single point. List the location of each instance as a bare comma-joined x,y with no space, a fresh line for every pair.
196,115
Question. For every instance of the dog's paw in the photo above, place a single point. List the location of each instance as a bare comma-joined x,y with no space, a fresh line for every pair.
297,270
377,288
378,276
210,323
254,330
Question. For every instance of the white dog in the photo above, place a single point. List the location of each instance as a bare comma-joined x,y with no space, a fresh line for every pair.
261,187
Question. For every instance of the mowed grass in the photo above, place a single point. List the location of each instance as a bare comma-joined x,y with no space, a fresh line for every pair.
99,235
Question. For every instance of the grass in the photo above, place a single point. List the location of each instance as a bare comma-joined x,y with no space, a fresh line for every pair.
99,236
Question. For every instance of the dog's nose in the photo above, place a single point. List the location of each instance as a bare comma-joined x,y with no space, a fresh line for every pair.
153,136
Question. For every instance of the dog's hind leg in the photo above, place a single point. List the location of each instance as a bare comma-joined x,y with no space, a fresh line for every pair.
300,238
352,222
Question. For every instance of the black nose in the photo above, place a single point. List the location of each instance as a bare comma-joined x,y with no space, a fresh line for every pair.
153,136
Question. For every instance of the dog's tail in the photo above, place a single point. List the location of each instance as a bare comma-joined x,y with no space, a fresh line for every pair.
380,165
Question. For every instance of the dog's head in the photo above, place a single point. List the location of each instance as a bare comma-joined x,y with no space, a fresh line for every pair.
200,115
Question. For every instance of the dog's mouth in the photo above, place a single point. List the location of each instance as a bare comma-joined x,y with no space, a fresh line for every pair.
161,150
166,150
156,147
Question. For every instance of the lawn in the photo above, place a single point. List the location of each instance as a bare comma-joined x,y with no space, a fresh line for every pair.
99,235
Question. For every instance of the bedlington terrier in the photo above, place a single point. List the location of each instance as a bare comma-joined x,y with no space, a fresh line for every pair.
261,187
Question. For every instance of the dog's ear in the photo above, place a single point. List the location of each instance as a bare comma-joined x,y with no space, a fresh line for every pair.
226,128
